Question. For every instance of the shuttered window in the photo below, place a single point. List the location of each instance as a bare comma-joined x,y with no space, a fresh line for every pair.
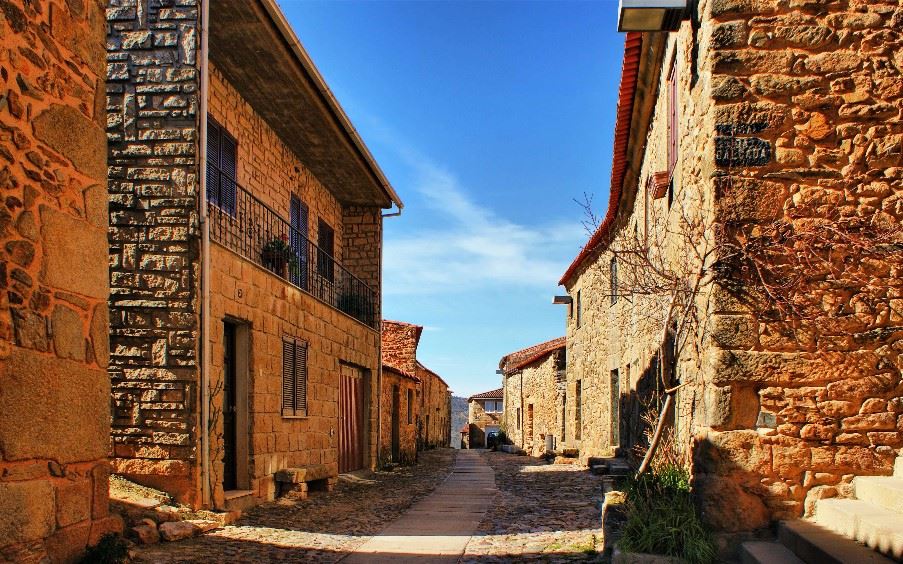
613,272
222,162
673,139
294,377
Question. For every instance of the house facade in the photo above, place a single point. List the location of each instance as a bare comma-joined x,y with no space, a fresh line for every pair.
54,326
484,416
754,147
246,234
415,413
534,396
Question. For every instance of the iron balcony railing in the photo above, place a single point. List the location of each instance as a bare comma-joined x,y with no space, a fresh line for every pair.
255,231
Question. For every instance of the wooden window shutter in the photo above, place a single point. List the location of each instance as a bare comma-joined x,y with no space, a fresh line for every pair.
288,377
213,157
673,141
300,378
228,167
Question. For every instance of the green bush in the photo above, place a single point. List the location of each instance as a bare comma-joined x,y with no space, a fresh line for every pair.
662,518
111,549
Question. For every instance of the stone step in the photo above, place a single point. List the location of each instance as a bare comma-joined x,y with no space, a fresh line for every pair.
761,552
877,527
240,500
883,491
815,544
898,467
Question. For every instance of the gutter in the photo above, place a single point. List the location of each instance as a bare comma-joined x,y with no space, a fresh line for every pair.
205,259
278,18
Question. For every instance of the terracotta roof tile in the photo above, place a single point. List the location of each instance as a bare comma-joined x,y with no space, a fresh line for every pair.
492,394
518,359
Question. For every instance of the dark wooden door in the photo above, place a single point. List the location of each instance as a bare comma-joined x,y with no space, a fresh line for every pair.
396,424
351,419
230,460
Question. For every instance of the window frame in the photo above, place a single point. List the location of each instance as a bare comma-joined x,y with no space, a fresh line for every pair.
410,406
613,278
579,308
298,375
325,257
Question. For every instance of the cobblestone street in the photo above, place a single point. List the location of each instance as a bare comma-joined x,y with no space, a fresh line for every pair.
541,512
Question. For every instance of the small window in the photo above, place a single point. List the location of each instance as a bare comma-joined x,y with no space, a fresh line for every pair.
518,418
613,271
579,309
294,377
221,167
326,253
410,407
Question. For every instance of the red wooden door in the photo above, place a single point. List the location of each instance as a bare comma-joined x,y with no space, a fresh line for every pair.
351,419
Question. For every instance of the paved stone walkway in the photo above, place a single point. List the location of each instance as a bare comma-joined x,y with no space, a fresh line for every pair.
438,528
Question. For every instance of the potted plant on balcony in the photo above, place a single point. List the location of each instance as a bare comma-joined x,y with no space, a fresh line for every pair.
278,256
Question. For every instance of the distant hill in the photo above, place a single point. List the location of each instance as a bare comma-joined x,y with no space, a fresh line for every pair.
459,419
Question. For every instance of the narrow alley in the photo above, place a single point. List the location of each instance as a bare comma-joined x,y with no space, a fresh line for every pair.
453,506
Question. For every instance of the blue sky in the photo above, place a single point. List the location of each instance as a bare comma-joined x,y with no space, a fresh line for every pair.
489,118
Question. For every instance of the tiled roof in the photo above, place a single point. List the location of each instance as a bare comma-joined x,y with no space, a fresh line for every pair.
519,359
492,394
402,373
626,93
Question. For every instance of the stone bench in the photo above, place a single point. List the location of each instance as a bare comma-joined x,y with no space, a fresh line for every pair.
299,481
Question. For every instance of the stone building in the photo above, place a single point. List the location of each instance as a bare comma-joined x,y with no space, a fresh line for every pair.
484,416
246,234
415,409
533,384
755,147
54,349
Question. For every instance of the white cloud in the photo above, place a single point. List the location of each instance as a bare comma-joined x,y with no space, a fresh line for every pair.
469,246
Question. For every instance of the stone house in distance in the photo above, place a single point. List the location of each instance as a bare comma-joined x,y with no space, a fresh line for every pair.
755,126
415,408
533,384
246,234
54,349
484,416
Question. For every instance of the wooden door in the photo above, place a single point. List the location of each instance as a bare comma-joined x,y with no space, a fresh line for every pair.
230,403
351,419
396,423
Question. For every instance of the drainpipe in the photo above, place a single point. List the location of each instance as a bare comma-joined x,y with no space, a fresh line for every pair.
379,360
205,259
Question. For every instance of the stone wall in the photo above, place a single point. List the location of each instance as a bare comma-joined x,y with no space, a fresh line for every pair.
435,410
537,385
152,128
407,432
54,349
811,399
787,115
478,419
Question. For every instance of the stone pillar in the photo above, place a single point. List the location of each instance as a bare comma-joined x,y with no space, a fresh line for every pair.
54,349
152,127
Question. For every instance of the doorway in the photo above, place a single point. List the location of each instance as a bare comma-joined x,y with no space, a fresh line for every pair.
396,430
351,418
236,353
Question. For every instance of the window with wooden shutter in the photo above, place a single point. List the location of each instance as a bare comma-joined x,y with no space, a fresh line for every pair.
294,377
672,118
222,166
326,254
613,272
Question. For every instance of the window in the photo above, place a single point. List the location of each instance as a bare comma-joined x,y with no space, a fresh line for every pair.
578,410
294,377
326,242
410,407
579,310
221,167
493,406
613,272
518,419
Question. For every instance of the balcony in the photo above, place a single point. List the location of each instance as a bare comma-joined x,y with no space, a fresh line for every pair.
252,229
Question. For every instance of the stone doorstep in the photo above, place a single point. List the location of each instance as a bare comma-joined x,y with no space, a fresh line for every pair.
883,491
875,526
239,500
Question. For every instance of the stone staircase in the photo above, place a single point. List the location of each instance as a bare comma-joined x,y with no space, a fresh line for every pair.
844,531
